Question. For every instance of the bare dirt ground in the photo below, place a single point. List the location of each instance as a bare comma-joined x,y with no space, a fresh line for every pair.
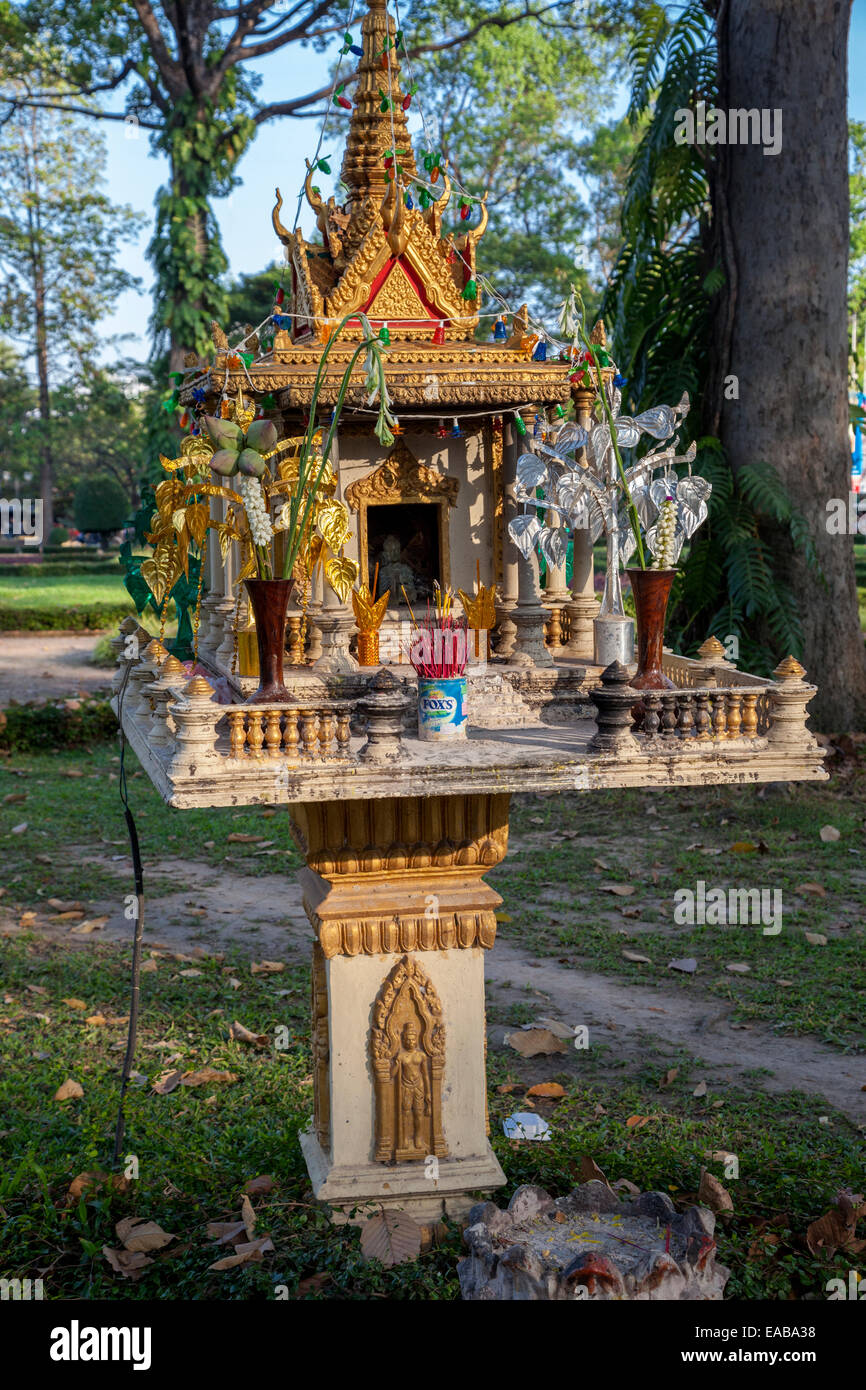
41,666
219,910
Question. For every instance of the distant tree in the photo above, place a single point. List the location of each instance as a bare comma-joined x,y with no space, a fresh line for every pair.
250,296
59,236
101,504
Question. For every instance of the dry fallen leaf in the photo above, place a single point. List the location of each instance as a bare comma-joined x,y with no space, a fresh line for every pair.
636,957
238,839
70,1090
168,1082
669,1077
743,847
739,967
96,1020
96,1179
535,1042
621,890
391,1237
836,1229
637,1121
815,888
547,1090
260,1186
239,1033
713,1195
590,1171
251,1252
226,1232
129,1263
700,1089
829,833
248,1216
74,1003
815,938
312,1284
206,1076
267,967
92,924
137,1233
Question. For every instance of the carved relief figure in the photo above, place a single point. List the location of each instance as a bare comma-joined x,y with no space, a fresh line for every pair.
407,1047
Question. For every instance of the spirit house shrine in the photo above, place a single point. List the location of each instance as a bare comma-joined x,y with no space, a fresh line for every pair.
397,830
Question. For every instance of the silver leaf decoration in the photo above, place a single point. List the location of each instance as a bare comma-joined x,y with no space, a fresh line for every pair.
660,421
569,438
553,543
531,471
627,432
693,493
523,530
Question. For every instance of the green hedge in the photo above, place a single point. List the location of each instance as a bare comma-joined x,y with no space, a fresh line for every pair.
54,569
56,724
92,617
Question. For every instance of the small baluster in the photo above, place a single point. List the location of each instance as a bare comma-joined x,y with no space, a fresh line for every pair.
343,720
309,732
255,732
719,717
296,653
750,715
554,629
291,737
734,712
652,705
237,733
703,727
686,714
272,732
669,716
326,731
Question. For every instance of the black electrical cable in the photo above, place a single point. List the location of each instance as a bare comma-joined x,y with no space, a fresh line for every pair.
138,930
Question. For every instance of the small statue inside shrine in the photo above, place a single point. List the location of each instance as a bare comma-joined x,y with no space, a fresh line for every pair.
393,573
409,1068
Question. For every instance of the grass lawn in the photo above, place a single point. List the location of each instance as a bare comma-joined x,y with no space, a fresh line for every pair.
197,1148
63,591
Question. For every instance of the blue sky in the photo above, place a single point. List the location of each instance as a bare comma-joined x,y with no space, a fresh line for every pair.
277,157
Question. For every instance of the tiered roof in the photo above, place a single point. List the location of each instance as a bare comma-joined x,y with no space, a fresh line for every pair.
393,263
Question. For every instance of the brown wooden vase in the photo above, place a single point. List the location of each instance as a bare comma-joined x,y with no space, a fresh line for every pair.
270,600
651,589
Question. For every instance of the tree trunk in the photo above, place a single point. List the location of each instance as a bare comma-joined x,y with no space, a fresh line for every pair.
46,460
788,220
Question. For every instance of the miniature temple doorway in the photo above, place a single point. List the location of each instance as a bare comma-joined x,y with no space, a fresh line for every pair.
403,525
403,541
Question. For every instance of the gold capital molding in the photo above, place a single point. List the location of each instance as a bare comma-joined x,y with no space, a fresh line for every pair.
401,874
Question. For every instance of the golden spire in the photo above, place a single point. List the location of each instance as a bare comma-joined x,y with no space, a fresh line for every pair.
373,131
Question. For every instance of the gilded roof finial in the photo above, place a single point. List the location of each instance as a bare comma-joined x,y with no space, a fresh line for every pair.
373,131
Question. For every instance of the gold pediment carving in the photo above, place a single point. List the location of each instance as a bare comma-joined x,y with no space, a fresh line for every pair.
401,478
397,298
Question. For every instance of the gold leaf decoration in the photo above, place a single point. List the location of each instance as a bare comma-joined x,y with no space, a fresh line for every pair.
197,519
161,572
341,574
178,519
369,615
332,524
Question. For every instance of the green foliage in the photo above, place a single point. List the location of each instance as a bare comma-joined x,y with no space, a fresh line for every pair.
94,617
55,724
662,299
59,534
100,504
508,106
